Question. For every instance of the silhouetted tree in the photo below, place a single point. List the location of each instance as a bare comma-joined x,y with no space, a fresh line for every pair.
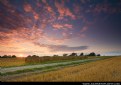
0,56
29,56
13,56
92,54
82,54
65,54
55,55
5,56
98,55
73,54
35,56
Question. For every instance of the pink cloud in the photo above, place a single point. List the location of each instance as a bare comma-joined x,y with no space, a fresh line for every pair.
85,28
67,34
38,3
62,26
28,8
68,25
57,26
54,40
44,1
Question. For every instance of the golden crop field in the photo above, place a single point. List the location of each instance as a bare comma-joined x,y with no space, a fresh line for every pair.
5,62
102,70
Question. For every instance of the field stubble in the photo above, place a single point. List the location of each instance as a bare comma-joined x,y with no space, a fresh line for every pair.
103,70
7,62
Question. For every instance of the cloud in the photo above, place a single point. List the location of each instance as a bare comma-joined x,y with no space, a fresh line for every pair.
85,28
62,26
36,16
105,8
44,1
11,18
82,35
68,25
77,9
20,35
57,26
14,52
62,48
55,40
27,7
49,9
63,10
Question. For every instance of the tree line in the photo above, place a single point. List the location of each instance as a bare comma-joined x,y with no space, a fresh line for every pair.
8,56
64,55
37,59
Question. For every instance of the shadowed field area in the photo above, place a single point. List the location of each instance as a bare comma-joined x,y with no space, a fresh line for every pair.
103,70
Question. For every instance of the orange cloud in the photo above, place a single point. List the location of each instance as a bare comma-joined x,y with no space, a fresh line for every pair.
57,26
49,8
63,11
69,13
62,26
36,16
27,8
68,25
50,11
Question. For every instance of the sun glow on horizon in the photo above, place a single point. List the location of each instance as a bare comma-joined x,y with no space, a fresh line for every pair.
21,55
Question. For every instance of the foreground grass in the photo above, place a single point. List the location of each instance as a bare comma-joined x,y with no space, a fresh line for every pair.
103,70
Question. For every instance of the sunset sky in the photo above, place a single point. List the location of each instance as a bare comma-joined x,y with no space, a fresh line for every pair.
48,27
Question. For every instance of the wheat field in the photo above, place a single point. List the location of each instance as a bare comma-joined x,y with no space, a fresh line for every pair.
7,62
102,70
